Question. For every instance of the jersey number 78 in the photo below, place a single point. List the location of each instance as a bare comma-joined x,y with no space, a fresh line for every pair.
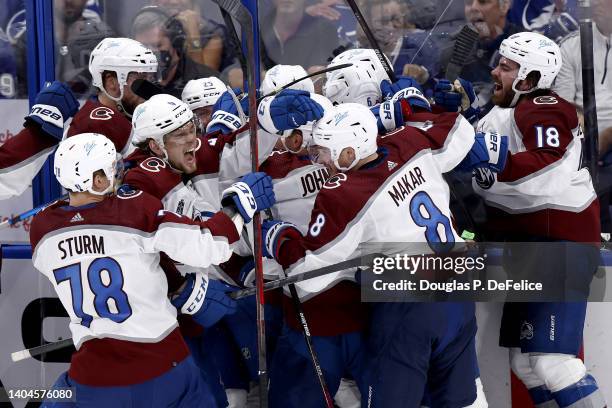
103,291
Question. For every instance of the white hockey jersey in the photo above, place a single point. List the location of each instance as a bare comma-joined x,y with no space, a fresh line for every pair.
401,197
543,190
103,261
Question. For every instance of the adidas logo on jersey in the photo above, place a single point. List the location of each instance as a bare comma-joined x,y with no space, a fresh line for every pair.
391,165
77,218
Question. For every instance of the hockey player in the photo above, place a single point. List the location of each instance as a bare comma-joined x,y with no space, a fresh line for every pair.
101,253
201,95
542,195
345,141
22,156
281,75
114,65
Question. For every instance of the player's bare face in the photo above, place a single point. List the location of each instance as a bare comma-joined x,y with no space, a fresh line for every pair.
180,146
503,77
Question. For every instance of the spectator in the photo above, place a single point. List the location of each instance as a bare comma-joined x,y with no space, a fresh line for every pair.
205,38
165,36
409,48
569,86
341,15
292,37
490,19
76,34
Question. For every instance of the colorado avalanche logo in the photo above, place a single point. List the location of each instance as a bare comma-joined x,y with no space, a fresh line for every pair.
484,178
334,181
101,113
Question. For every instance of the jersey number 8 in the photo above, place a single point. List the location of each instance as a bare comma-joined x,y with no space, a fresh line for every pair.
432,220
102,291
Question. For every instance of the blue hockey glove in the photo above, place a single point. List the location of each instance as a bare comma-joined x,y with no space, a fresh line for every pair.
254,192
490,150
389,89
288,109
53,106
206,300
225,116
273,233
392,113
246,276
389,116
457,97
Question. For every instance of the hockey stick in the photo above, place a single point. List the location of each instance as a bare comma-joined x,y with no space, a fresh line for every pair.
591,134
38,350
368,33
464,45
299,311
315,273
323,71
30,213
245,12
279,283
145,89
233,38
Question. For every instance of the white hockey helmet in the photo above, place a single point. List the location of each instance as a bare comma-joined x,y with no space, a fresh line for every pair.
202,92
78,157
354,84
533,52
158,116
281,75
365,55
345,125
306,129
122,56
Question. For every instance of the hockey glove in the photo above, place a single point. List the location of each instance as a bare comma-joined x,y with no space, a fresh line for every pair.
254,192
457,97
392,114
53,106
273,233
225,117
247,274
490,150
389,89
288,109
206,300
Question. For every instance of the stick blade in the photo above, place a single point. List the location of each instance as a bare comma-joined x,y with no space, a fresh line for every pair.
145,89
463,48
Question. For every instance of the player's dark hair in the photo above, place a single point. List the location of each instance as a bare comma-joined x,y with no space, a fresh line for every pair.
533,77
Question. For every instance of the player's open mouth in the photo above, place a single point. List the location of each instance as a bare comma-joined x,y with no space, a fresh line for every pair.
498,86
190,155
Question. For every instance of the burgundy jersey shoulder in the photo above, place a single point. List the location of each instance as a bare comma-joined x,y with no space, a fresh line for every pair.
151,174
130,209
545,108
344,195
97,118
29,142
280,163
207,157
434,128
